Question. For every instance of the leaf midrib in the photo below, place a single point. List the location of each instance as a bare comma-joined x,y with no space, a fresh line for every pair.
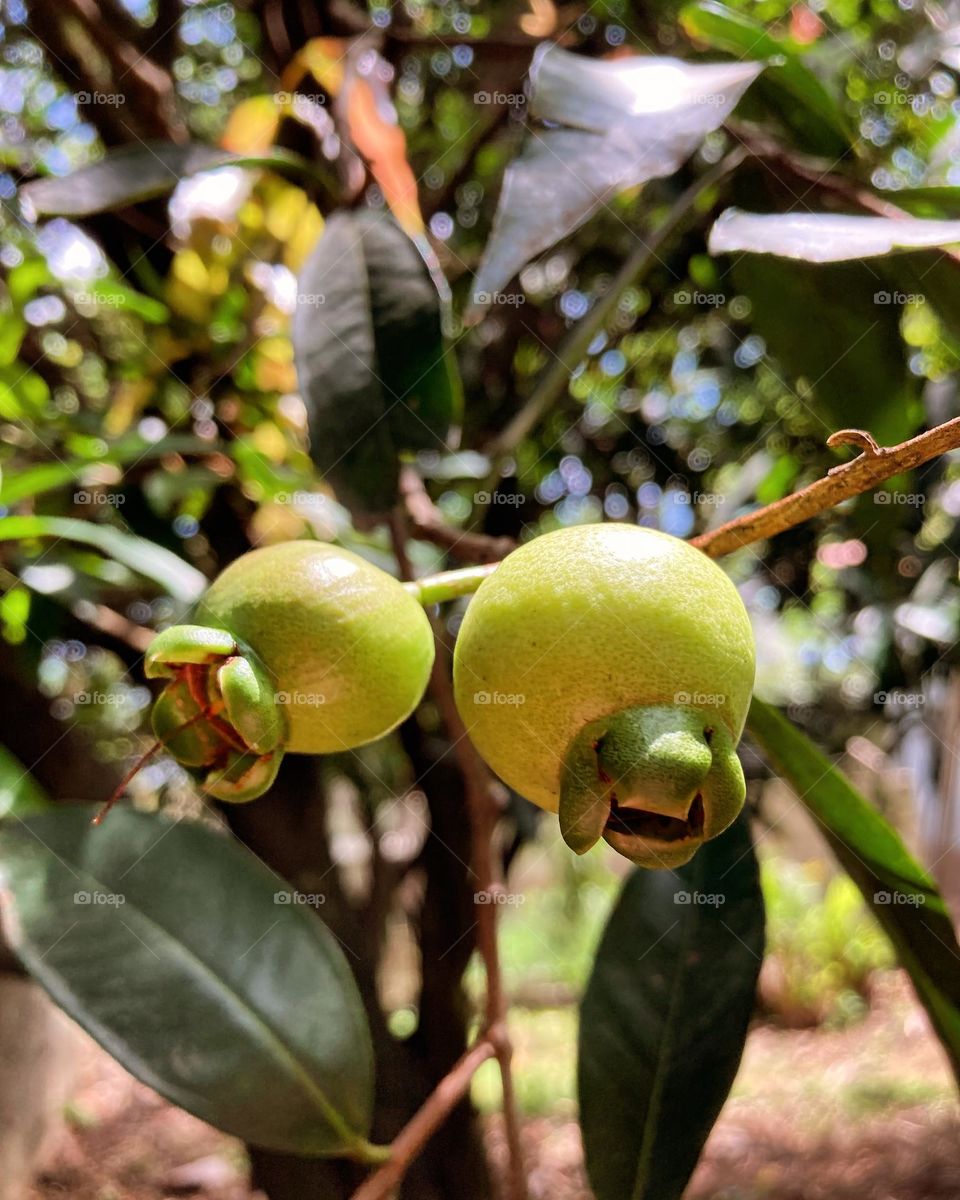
652,1122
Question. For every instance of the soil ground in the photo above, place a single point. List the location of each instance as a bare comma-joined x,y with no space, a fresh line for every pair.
863,1113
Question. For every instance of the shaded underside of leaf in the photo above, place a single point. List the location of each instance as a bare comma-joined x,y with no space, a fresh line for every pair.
122,177
375,371
665,1016
838,346
136,173
183,966
904,898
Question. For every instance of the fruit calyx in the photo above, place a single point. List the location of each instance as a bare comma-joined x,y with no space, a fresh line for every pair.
654,782
218,715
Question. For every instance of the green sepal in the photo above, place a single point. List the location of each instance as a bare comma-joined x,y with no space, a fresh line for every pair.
584,796
652,761
245,776
193,745
724,789
251,707
180,644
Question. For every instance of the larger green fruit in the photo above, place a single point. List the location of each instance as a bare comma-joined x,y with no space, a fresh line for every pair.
605,672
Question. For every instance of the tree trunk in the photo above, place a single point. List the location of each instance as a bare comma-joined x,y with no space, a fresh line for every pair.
287,830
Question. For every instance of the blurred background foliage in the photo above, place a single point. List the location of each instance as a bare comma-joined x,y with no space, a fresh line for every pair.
148,398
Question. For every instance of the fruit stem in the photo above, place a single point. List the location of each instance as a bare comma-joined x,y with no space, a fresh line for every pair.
448,585
411,1140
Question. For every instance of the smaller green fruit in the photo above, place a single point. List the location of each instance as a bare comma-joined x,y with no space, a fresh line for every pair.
305,647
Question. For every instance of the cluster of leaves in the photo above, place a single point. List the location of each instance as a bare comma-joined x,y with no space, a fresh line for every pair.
180,379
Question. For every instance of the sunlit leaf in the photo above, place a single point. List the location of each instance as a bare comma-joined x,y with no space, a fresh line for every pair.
825,237
26,279
117,297
621,122
252,126
902,895
15,605
177,578
20,794
12,330
324,58
47,476
23,393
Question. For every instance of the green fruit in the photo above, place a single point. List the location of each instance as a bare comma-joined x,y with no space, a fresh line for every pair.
605,672
304,647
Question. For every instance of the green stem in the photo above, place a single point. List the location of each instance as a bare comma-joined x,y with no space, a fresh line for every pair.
370,1154
448,585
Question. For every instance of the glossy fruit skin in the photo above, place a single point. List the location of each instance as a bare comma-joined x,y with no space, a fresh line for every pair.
584,624
303,647
348,648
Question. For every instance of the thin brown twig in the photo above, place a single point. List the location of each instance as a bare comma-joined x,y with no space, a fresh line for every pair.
482,806
134,74
428,524
425,1122
876,465
108,621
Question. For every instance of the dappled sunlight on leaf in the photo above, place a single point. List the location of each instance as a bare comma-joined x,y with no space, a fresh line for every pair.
825,237
621,123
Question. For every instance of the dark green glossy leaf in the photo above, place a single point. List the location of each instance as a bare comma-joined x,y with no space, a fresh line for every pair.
176,577
935,202
664,1018
141,172
375,371
903,896
790,88
166,942
835,341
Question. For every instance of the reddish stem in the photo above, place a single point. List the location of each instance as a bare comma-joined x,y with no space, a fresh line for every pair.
425,1122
